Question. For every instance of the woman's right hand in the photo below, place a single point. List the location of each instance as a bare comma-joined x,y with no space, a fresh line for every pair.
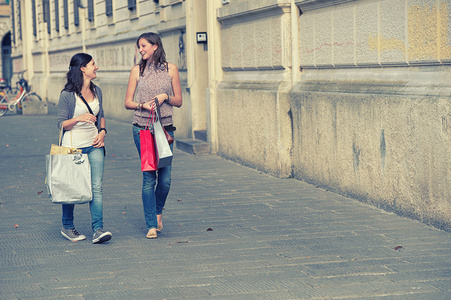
150,105
87,118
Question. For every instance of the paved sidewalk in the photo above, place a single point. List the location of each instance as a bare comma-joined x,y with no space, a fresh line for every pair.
230,232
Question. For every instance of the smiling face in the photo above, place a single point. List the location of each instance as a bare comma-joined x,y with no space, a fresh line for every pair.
146,49
89,71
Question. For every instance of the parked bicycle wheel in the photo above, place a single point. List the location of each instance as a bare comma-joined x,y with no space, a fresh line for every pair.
3,106
27,97
32,97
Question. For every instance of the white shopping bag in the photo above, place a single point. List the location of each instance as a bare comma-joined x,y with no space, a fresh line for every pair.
68,178
162,148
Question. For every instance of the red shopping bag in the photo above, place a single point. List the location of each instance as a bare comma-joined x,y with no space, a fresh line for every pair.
149,160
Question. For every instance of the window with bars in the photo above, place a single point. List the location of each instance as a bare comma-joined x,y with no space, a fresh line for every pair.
66,14
91,10
76,14
131,5
46,13
13,21
109,8
57,16
19,21
33,14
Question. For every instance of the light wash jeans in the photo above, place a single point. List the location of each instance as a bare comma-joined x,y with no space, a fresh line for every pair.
153,197
97,160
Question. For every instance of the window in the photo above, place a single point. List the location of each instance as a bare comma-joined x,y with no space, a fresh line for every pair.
33,13
57,16
66,14
91,10
76,14
19,21
13,21
46,12
109,8
131,5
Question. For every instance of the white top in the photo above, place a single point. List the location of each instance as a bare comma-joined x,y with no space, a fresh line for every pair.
82,134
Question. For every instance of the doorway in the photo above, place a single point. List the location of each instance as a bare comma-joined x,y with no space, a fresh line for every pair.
7,64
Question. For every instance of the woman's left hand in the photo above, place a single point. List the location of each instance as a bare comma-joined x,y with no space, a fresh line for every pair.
99,140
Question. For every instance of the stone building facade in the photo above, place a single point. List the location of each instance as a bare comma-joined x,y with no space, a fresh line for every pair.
349,95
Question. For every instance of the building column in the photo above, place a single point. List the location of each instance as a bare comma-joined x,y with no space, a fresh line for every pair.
197,63
215,72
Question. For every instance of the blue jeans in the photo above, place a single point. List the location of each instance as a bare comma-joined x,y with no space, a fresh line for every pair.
153,197
97,160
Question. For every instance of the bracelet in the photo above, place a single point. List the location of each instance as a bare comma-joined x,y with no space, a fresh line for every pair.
104,129
168,100
139,106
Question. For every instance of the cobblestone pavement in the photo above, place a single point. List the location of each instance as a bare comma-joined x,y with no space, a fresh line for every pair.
230,232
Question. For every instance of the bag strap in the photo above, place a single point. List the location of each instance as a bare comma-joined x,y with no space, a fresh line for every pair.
157,105
60,138
152,120
87,105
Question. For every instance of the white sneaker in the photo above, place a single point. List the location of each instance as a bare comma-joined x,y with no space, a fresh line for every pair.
72,234
101,236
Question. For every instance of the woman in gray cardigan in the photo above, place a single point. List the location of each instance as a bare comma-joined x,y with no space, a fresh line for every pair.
80,113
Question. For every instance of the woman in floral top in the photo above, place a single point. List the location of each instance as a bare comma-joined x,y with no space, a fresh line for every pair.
153,79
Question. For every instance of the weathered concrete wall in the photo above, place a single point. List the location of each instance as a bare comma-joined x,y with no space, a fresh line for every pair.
369,115
379,145
374,33
254,126
378,134
253,123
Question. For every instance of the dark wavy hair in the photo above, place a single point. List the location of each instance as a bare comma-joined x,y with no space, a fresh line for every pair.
75,76
158,57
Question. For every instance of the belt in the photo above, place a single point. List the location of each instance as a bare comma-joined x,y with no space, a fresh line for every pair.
167,127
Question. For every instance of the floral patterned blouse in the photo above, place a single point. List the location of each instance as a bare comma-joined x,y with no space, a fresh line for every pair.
154,81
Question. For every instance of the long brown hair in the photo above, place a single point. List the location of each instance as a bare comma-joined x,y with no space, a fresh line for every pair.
158,57
75,76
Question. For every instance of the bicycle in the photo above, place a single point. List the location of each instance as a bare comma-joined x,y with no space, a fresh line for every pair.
23,94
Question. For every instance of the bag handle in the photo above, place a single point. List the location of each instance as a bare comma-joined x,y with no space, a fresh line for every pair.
154,113
87,105
60,138
153,119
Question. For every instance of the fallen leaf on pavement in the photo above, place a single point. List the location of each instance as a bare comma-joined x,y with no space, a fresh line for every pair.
209,229
16,226
398,247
